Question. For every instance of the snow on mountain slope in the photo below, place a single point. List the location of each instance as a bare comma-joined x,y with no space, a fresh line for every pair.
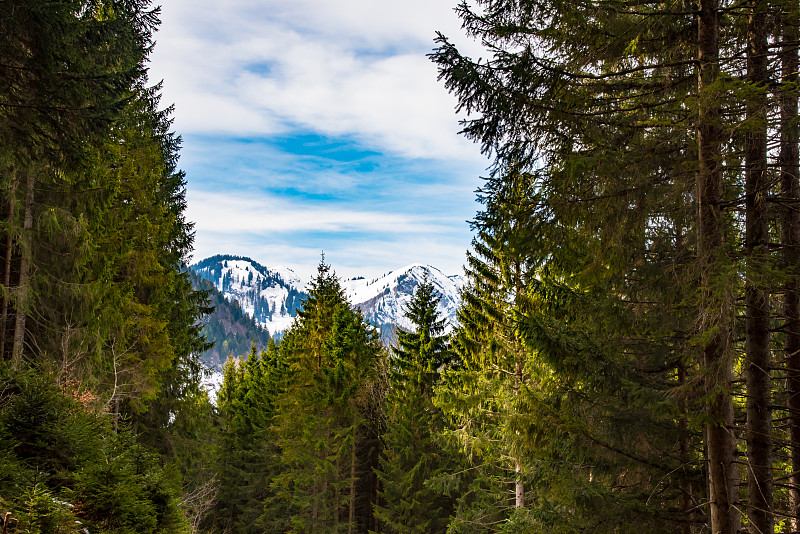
383,300
272,295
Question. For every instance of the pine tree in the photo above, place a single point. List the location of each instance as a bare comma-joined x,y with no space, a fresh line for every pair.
647,133
412,455
323,424
70,68
63,468
248,455
94,234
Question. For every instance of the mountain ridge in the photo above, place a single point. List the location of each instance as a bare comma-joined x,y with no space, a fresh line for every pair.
273,295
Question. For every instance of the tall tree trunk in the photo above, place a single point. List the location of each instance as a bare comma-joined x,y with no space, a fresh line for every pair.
23,291
519,485
314,498
757,336
789,164
352,515
687,504
12,197
322,514
714,310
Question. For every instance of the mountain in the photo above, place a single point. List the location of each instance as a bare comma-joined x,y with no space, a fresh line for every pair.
383,300
228,327
272,295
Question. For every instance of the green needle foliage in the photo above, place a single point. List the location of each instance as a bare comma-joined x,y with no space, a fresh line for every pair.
94,242
632,187
328,421
62,465
413,457
249,457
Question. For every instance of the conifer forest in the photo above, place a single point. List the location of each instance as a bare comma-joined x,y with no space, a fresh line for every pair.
627,354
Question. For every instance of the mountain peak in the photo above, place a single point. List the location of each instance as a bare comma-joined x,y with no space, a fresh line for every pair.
272,295
384,299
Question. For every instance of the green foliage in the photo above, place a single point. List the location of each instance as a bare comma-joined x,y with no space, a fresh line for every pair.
248,454
61,463
126,490
69,68
567,392
300,424
327,419
41,513
413,457
95,293
608,265
227,327
95,233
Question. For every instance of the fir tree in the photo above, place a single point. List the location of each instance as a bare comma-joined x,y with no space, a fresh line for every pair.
645,128
95,239
248,456
412,456
323,424
64,468
545,386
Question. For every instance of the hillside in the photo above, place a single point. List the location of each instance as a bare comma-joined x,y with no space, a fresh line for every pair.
383,299
271,296
229,327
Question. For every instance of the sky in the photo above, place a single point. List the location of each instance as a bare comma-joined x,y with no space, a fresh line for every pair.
319,125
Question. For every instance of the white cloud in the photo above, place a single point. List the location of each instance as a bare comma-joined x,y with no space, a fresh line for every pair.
276,231
354,68
267,214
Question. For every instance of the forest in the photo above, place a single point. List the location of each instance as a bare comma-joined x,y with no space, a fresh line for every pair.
627,357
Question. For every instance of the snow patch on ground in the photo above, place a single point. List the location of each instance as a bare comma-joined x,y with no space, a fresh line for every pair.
212,383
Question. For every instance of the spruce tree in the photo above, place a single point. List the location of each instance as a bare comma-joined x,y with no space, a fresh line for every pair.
413,457
70,68
645,132
551,316
758,348
63,468
248,456
789,168
94,234
323,420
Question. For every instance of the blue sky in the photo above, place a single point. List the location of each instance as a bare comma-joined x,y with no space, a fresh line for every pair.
313,125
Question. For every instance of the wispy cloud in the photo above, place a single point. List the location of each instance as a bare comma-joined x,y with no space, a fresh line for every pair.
293,233
274,215
355,68
316,125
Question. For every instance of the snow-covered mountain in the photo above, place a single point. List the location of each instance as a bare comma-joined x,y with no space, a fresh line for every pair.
383,300
272,295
